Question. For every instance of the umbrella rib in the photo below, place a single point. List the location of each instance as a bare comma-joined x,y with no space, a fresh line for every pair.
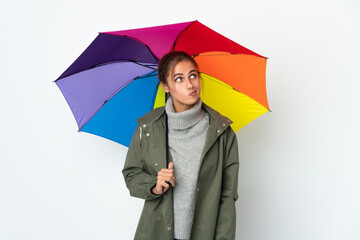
173,47
150,75
221,83
110,62
143,65
230,87
141,42
127,83
218,54
113,94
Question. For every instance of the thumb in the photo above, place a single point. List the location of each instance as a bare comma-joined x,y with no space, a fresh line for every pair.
171,165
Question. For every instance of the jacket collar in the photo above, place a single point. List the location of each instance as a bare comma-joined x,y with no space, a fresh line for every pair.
216,119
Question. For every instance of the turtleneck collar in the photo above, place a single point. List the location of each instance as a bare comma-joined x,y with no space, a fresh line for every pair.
185,119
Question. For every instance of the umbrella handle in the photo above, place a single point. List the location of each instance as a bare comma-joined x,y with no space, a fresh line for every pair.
166,147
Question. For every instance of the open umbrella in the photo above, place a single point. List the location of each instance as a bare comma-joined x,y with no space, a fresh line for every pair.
114,81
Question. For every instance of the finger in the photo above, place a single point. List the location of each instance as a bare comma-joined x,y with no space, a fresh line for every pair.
166,170
171,165
162,179
170,178
166,181
165,174
171,181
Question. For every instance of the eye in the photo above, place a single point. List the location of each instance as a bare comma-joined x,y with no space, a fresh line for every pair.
193,76
178,79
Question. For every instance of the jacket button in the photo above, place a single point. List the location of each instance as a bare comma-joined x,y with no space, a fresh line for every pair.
224,124
218,131
169,228
156,164
198,189
144,125
147,134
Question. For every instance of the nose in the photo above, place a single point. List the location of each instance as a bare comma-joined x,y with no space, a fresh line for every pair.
189,84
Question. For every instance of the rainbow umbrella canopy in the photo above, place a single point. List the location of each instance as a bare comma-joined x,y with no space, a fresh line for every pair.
114,81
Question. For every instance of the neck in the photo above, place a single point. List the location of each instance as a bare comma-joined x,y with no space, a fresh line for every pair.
182,108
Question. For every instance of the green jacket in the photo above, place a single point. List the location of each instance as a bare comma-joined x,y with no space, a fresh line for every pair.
214,213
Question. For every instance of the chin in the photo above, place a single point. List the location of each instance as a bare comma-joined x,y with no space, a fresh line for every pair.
193,101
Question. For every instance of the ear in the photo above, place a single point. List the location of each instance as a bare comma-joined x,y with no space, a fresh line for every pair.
165,87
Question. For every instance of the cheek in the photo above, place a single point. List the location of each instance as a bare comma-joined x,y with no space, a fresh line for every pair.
176,89
197,83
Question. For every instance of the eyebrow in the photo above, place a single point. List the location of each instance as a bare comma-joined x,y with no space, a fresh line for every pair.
182,74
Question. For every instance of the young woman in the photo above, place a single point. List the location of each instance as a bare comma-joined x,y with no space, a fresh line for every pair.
194,196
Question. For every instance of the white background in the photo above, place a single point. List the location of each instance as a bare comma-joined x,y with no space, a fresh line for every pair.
299,177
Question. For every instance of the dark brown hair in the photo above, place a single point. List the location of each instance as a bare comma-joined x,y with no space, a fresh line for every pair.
168,62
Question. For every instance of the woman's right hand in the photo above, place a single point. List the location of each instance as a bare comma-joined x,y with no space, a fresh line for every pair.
165,174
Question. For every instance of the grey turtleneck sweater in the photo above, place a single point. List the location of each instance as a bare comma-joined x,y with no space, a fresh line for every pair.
187,133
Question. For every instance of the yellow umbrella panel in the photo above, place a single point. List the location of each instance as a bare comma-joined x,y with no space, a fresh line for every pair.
235,105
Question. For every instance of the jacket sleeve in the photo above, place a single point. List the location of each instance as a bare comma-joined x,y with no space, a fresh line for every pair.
137,179
226,221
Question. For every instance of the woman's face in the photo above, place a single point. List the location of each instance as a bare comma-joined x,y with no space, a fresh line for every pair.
183,85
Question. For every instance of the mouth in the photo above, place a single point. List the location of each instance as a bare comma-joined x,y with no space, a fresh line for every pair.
193,93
